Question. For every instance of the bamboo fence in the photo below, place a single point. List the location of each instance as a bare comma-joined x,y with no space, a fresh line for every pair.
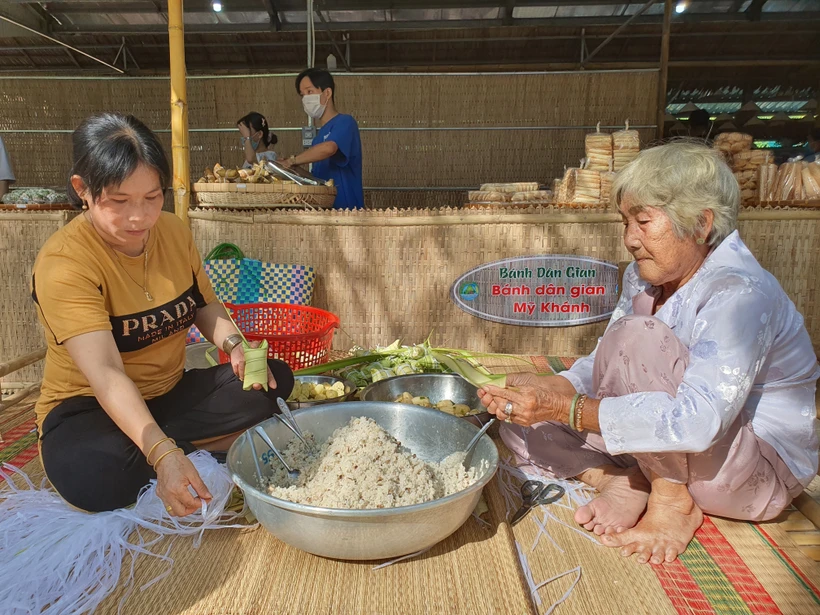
387,274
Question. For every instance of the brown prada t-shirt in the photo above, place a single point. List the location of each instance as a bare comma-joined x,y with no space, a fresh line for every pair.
80,285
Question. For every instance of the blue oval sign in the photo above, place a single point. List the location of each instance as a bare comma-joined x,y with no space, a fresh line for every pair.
539,291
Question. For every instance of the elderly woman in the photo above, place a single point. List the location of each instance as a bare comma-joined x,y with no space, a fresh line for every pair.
699,398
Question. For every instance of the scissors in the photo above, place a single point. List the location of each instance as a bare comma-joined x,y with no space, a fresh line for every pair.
535,493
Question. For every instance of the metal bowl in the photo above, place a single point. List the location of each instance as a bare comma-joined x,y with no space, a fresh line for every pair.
374,533
435,387
196,355
297,405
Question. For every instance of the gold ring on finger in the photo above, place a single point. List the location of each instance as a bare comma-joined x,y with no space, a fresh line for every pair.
169,508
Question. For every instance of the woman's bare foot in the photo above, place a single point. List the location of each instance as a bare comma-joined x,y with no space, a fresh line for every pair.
665,531
624,493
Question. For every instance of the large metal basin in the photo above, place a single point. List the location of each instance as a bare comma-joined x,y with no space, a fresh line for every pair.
365,534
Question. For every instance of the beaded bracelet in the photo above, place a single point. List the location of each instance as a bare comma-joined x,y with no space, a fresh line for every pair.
579,413
165,454
571,421
156,444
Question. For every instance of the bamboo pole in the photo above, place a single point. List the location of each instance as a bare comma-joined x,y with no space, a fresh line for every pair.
808,507
19,396
179,110
21,362
366,218
663,78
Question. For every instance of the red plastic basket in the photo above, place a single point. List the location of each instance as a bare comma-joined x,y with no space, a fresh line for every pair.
299,335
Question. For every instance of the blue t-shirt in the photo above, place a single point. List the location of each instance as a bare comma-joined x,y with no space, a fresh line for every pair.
345,166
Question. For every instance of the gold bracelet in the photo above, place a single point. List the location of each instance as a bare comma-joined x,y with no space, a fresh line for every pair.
165,454
156,444
579,413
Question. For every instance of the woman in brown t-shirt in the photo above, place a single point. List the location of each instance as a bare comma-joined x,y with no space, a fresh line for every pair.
116,291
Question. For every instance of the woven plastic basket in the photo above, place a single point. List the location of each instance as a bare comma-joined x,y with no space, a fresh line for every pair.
257,196
299,335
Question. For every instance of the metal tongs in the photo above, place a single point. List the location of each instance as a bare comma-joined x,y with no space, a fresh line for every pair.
289,421
294,174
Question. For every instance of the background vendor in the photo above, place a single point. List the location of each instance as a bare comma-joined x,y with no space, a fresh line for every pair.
256,138
337,148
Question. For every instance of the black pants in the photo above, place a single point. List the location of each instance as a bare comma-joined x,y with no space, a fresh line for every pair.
94,466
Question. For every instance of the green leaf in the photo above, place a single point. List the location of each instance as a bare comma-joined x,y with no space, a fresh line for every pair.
463,368
340,364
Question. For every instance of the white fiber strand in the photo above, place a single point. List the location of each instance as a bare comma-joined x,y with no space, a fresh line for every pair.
566,595
401,559
542,530
57,560
525,567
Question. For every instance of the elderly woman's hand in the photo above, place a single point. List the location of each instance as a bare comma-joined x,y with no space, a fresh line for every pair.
527,404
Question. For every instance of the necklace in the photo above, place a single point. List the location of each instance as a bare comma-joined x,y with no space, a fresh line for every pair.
144,285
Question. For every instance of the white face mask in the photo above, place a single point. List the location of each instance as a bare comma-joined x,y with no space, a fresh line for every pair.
312,104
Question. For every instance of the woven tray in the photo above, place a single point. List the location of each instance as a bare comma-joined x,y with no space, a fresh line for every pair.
259,196
35,207
528,204
813,204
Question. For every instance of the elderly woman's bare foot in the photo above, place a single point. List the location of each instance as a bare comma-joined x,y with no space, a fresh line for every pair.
624,493
665,531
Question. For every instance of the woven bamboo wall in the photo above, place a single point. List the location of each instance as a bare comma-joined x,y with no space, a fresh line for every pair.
387,274
21,237
387,281
411,158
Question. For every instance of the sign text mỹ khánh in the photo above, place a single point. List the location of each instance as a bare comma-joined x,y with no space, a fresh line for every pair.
540,291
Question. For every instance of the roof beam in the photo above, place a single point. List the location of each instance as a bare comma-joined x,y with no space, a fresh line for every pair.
340,53
624,25
801,17
246,6
273,15
71,56
426,41
509,7
755,10
66,46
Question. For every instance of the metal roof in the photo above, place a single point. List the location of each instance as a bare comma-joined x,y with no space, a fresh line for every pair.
739,44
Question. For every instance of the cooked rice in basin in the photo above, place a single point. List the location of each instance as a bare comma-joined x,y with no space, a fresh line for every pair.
362,466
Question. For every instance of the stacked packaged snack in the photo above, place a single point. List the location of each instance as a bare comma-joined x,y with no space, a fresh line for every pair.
732,143
626,145
607,178
512,188
598,149
750,160
767,176
488,196
507,194
749,182
811,179
788,186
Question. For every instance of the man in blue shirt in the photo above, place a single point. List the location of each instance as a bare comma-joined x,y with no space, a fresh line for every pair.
337,148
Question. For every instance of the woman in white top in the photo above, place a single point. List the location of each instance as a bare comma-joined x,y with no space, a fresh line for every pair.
699,398
257,140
